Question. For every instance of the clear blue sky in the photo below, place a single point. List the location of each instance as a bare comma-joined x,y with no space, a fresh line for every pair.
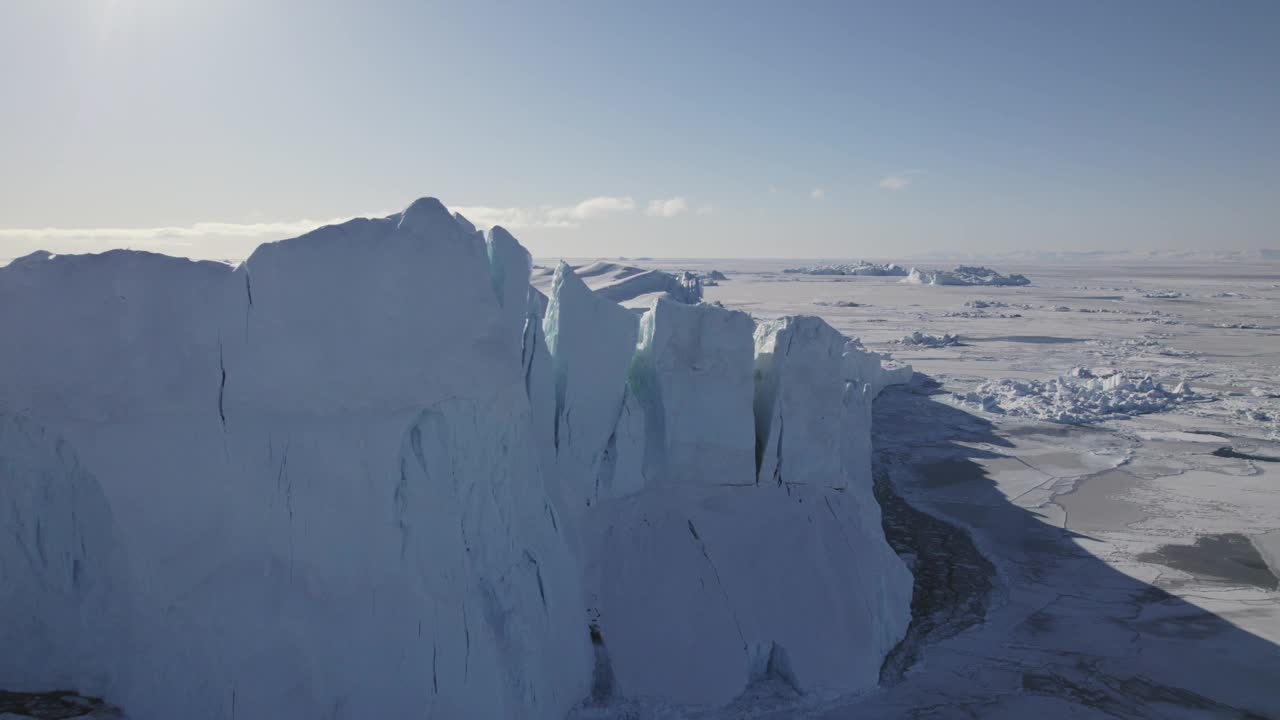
710,129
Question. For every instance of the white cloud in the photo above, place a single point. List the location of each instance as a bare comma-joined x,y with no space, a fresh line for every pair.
220,240
818,194
667,208
899,181
706,209
546,216
223,240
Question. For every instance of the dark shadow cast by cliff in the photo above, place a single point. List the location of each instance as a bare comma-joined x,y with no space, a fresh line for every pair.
1072,629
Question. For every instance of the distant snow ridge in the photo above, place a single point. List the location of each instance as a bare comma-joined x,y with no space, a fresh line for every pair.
855,268
1077,400
964,275
370,472
919,339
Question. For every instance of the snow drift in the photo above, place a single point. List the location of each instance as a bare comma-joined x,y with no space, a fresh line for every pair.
368,473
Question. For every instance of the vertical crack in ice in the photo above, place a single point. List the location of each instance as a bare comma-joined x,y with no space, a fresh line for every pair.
466,635
609,457
702,545
551,513
435,678
528,349
537,571
401,500
777,468
222,387
282,477
44,561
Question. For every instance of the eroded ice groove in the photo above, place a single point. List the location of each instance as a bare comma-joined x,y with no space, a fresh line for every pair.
388,478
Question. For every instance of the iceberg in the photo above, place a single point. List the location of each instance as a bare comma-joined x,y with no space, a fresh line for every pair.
919,339
860,267
371,471
964,275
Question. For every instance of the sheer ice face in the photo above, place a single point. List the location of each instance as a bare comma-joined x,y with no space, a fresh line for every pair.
325,491
693,375
591,341
372,472
705,571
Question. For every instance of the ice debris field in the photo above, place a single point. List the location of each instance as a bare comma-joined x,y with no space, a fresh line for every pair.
392,468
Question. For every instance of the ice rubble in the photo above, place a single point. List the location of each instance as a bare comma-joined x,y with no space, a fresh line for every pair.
860,267
919,339
297,488
1083,397
964,275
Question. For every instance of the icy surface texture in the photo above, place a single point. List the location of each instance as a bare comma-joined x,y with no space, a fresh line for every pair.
319,472
592,341
1083,398
693,375
58,562
964,275
372,472
698,579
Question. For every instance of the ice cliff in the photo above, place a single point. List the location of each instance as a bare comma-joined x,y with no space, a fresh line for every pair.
368,472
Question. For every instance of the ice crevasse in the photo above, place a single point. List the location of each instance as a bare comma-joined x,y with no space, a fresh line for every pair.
366,472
